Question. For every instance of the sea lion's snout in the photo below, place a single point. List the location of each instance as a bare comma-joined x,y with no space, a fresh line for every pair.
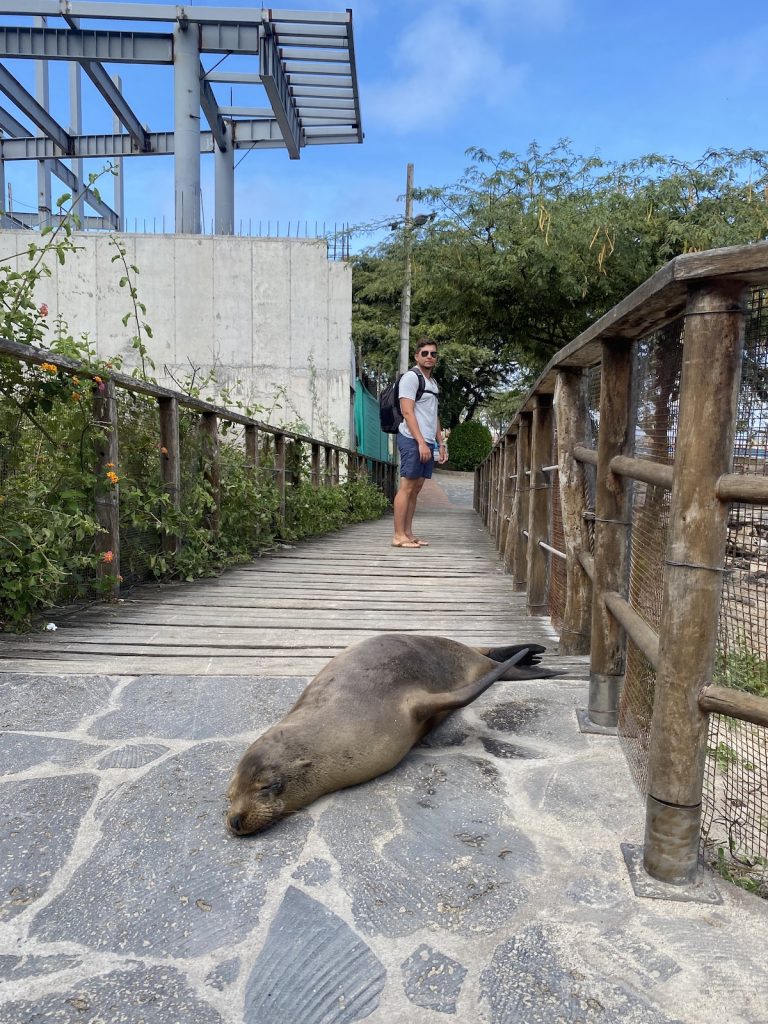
252,814
235,824
255,797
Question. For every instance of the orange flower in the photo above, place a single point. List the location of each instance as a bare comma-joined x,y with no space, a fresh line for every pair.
97,379
112,477
108,556
75,396
163,450
49,367
76,381
110,465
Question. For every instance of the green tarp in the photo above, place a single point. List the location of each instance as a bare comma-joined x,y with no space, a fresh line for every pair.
371,439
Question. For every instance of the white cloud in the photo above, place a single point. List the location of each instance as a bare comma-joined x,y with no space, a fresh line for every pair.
442,66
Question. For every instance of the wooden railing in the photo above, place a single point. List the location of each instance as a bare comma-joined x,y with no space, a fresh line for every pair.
326,466
708,292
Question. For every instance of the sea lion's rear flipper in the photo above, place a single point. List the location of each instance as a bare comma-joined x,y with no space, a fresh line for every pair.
437,703
505,653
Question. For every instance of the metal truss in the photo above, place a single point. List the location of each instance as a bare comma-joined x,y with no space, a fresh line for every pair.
306,67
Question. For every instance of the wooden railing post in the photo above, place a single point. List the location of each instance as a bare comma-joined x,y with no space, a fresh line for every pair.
507,490
107,502
612,531
476,489
494,478
693,573
538,517
315,464
170,462
499,490
252,448
212,467
280,475
516,553
572,418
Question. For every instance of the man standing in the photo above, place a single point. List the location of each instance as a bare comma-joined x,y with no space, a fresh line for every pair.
419,441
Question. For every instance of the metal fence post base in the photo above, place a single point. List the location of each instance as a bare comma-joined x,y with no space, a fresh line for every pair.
603,701
702,890
671,852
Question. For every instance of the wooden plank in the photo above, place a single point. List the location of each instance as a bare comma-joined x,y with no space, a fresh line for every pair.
288,613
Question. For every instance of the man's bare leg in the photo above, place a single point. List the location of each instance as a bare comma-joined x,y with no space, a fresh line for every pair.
412,508
404,508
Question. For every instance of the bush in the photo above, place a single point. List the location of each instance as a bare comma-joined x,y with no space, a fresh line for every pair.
469,444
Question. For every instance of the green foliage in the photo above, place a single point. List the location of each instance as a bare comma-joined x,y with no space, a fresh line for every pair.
49,481
747,873
528,249
311,511
742,669
469,444
47,527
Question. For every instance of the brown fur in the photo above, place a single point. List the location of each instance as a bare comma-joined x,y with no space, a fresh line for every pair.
358,718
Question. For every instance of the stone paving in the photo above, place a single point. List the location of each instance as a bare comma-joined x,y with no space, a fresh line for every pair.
480,881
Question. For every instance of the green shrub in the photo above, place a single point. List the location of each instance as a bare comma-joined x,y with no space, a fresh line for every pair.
469,444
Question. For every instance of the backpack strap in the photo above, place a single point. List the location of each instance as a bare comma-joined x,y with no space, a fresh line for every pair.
422,382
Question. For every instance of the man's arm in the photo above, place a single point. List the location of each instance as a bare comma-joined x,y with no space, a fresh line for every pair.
443,456
408,409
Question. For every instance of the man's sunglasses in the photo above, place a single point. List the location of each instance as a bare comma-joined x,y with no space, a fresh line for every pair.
425,353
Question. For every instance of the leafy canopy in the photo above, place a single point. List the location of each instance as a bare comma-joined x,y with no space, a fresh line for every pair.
527,250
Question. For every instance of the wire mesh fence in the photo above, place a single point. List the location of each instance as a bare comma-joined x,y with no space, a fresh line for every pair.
666,597
735,798
557,574
735,827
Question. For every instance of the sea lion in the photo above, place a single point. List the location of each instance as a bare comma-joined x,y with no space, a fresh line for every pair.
360,716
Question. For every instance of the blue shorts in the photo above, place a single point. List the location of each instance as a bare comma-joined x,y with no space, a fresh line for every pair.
411,465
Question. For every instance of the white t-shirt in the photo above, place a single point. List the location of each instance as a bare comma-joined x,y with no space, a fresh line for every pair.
425,408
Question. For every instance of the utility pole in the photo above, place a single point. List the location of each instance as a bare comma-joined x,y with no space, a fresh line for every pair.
405,300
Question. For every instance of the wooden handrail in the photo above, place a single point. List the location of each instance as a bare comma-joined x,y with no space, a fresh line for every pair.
723,700
582,454
657,473
747,487
587,562
635,626
26,354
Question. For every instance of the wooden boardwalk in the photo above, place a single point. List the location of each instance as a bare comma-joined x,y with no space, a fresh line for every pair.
288,612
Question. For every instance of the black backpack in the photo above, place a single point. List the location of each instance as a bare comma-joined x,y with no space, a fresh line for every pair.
389,402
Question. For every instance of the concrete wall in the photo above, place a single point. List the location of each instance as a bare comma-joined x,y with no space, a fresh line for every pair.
271,313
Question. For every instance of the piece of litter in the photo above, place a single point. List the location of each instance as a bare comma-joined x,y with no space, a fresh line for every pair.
51,627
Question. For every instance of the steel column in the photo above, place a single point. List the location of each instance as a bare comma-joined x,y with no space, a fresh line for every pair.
186,94
224,180
43,167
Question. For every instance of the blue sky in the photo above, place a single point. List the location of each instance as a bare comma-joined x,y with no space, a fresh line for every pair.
439,76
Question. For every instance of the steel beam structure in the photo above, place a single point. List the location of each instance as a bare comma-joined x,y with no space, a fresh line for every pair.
277,89
112,94
260,134
11,126
79,44
36,112
306,67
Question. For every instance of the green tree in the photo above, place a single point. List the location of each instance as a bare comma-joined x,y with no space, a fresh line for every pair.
527,250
